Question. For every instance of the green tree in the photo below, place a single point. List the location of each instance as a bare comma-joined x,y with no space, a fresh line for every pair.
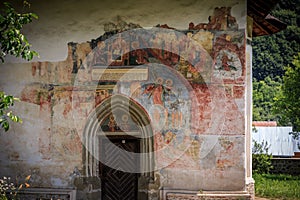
271,53
287,102
270,56
267,58
264,92
13,42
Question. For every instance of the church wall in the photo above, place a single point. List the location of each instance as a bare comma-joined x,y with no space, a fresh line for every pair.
190,81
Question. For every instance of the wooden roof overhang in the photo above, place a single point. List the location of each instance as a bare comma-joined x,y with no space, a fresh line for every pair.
263,22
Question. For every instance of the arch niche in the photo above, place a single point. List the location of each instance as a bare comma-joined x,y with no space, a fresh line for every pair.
93,134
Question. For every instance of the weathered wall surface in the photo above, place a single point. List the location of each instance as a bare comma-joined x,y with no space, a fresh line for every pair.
191,83
80,21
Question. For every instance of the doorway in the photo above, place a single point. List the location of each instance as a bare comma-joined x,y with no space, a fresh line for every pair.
119,182
100,135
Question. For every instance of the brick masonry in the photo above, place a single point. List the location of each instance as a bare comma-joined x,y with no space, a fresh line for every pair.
286,166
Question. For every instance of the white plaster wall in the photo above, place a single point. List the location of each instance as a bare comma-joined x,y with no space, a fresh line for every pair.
79,21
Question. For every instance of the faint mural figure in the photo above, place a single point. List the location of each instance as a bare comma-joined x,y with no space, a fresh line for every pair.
159,92
98,99
125,125
158,116
194,149
112,124
225,63
101,54
228,65
169,136
155,91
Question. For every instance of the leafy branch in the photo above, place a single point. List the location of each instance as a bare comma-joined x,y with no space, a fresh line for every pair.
6,101
261,159
12,41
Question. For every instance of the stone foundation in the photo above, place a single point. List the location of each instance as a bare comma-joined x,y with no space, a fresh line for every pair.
205,195
70,194
250,187
286,166
47,193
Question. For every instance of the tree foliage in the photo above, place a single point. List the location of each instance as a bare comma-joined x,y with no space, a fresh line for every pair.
271,54
287,102
6,101
12,41
264,92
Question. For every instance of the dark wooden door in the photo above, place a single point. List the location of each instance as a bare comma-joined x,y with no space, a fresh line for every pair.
118,180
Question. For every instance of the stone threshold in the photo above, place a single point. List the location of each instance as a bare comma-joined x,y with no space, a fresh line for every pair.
169,194
224,193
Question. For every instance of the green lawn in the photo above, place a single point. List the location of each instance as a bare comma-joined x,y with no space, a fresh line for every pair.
277,186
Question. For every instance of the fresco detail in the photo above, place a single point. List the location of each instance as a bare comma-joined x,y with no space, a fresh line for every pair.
229,57
169,80
228,65
190,83
119,122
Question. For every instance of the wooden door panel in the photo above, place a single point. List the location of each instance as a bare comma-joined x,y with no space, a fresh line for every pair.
118,183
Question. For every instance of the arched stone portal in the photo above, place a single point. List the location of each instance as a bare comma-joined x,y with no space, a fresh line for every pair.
99,132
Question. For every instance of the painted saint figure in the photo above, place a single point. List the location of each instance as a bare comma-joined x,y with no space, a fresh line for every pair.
112,124
157,91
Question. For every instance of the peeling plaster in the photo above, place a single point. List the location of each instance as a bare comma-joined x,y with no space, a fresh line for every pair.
79,21
204,117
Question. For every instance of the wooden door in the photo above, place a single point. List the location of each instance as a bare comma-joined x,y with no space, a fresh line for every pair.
117,182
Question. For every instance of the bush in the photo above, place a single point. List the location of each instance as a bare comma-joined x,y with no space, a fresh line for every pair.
8,190
261,159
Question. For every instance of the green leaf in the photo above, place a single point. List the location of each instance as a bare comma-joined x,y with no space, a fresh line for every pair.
35,16
6,101
13,42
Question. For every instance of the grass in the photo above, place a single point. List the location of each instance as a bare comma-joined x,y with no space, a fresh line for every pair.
276,186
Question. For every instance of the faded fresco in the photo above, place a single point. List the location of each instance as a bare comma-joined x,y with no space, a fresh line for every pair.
191,83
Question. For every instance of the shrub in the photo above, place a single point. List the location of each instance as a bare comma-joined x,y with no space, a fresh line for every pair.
261,159
8,190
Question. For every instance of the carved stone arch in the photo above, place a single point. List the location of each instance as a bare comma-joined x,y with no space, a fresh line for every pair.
92,132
